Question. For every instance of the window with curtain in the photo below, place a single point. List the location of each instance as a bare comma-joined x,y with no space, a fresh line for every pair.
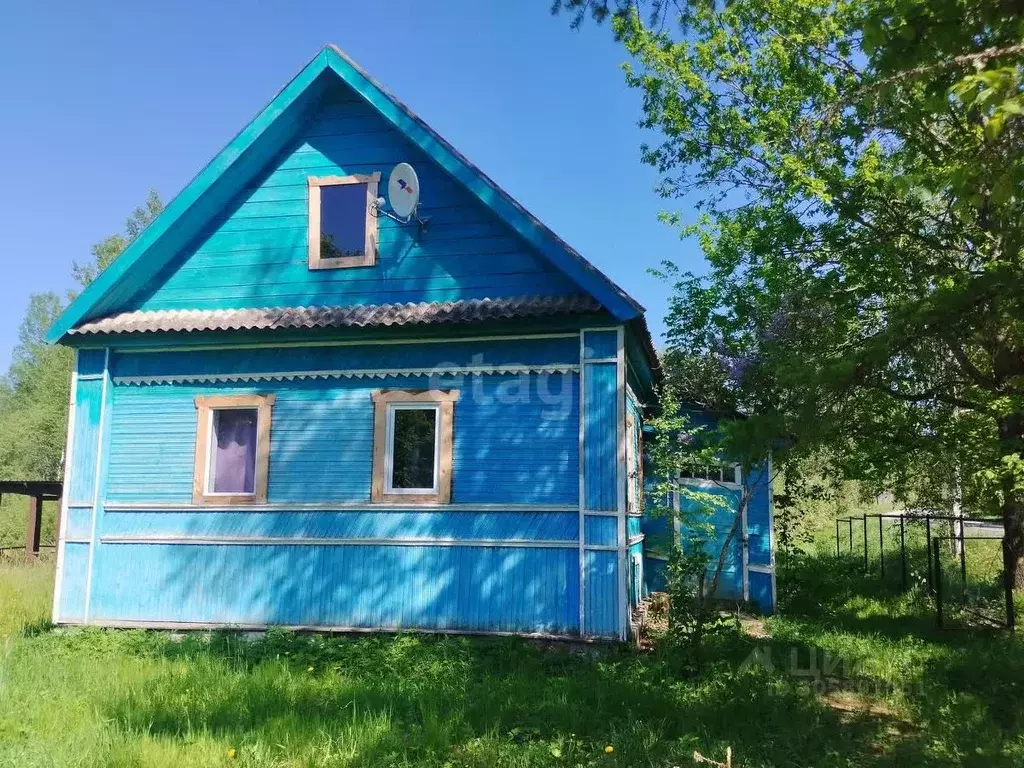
232,458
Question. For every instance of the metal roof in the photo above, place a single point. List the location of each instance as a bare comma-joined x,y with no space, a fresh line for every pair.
360,315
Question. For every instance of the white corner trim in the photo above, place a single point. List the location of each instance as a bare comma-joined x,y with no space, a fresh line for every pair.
96,481
65,503
582,491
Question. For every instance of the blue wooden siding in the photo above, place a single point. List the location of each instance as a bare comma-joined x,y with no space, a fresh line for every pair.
85,440
731,581
255,254
78,522
380,586
494,568
759,523
601,530
761,592
504,450
74,575
601,345
86,452
91,362
657,532
348,524
601,600
349,357
600,439
636,574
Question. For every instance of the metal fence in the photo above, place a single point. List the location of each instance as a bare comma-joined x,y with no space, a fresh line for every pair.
958,560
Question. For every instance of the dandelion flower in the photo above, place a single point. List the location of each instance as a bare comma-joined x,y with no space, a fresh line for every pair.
232,753
609,749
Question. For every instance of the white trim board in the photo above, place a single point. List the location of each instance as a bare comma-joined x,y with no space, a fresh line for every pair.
98,480
66,505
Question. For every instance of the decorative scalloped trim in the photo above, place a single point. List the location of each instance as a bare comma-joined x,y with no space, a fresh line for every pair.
233,378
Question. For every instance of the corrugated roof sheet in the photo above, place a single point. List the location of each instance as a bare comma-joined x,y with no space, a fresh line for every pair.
361,315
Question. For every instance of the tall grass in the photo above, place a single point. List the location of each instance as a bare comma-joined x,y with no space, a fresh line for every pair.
90,697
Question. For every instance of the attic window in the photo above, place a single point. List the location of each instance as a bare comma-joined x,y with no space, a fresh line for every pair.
342,227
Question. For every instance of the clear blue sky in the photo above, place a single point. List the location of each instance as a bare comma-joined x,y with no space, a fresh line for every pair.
102,105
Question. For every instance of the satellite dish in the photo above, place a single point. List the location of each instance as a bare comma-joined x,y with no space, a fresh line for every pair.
403,190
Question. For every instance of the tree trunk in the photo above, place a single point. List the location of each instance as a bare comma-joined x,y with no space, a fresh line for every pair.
1011,440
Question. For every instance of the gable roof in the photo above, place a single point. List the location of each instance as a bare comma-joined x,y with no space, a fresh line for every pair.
156,245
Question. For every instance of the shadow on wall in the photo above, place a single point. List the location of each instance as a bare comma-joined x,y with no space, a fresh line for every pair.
506,451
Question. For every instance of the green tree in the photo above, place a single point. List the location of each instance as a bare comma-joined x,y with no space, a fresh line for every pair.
856,169
34,393
109,248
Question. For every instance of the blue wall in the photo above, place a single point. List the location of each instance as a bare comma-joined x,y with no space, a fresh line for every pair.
322,441
603,475
760,585
506,556
255,253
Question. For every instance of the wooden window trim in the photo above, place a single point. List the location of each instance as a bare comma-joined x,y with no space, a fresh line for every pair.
445,400
205,404
369,257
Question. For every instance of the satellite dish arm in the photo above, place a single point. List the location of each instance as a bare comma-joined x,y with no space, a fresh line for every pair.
377,209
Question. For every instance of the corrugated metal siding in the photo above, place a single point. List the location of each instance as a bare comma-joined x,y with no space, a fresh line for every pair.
602,593
369,357
474,588
255,254
71,606
508,447
601,530
600,452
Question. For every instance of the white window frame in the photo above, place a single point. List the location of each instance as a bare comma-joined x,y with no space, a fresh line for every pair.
389,449
736,482
211,449
206,441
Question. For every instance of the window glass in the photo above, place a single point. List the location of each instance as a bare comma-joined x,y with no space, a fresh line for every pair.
233,459
718,473
342,220
412,450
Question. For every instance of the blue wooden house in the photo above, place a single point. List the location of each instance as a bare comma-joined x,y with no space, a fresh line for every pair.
290,409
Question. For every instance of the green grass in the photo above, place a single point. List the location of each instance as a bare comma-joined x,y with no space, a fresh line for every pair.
13,509
130,698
